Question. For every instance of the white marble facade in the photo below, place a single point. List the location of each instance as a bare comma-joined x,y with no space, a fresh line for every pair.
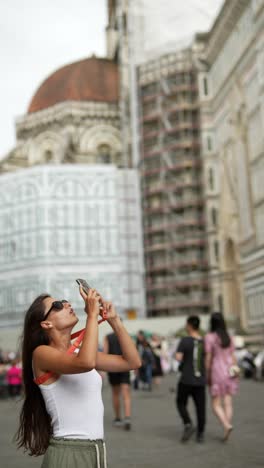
232,115
61,222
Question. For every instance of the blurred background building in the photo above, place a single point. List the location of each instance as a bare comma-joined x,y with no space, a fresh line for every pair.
162,113
72,210
232,116
195,108
177,118
171,182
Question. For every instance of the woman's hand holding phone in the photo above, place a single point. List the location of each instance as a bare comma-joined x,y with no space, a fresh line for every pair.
84,291
92,302
109,310
102,305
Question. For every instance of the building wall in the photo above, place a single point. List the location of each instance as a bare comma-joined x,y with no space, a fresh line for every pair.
233,119
61,222
172,191
70,132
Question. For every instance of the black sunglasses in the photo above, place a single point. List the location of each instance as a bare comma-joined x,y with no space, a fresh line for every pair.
57,305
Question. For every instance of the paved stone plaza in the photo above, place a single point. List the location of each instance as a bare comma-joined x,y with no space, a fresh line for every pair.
154,439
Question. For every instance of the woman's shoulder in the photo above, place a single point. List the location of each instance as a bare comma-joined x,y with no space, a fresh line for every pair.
211,336
40,349
211,339
39,352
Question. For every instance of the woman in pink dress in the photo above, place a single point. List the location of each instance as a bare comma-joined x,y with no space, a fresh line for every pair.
220,358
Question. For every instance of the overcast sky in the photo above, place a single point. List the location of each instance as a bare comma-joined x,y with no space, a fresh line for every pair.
36,38
39,36
170,24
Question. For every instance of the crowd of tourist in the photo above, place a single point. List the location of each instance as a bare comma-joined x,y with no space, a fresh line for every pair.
200,360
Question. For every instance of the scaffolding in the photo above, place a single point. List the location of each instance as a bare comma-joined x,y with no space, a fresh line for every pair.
172,194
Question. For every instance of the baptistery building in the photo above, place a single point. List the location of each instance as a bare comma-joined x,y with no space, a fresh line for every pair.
69,203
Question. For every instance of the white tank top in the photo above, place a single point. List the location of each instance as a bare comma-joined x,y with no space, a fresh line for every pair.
74,403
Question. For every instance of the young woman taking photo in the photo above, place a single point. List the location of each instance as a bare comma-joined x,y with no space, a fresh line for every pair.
62,417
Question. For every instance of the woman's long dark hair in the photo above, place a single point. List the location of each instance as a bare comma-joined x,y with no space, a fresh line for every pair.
35,425
218,326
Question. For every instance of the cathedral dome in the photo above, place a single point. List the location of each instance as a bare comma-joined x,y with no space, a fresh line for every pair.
92,79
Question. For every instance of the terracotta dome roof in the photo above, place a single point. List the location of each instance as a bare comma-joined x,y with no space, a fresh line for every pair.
92,79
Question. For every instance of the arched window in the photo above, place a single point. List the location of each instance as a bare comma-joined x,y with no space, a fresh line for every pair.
124,22
220,303
209,143
214,216
216,250
205,86
103,154
211,178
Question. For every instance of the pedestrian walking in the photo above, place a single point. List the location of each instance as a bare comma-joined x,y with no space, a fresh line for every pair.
190,354
148,365
120,385
62,412
14,379
139,344
156,346
222,371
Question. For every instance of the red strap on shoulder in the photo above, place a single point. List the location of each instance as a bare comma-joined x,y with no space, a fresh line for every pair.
79,337
77,342
43,378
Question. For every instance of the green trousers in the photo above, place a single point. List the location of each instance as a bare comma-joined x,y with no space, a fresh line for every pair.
71,453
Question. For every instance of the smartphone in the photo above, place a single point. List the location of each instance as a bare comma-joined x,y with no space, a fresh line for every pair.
85,286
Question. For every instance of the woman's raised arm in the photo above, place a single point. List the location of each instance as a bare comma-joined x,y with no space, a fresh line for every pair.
130,358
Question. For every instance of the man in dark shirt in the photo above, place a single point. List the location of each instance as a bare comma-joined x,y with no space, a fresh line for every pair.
190,354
